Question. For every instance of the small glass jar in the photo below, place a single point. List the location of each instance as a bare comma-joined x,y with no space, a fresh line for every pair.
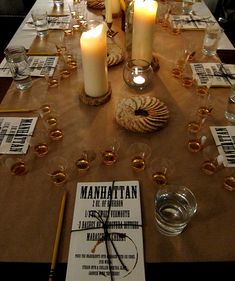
19,67
138,74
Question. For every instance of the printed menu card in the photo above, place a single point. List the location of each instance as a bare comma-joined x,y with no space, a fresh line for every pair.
39,66
15,134
224,137
189,22
106,237
218,74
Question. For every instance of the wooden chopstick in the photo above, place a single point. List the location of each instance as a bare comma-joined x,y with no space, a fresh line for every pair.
17,110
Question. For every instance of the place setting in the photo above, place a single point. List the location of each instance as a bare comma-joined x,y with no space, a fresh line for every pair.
123,149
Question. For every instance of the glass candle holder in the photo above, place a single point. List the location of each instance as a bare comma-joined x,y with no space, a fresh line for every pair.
138,74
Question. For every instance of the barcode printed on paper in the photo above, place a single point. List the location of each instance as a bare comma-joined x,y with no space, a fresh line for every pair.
217,74
225,141
15,134
11,134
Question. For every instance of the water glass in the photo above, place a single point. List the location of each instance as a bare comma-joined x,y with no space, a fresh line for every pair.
187,6
213,33
19,67
174,207
40,21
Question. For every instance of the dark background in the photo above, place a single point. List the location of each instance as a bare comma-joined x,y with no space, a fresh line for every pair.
12,13
154,272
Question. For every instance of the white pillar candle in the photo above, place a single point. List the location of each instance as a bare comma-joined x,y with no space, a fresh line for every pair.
94,61
108,11
143,29
115,7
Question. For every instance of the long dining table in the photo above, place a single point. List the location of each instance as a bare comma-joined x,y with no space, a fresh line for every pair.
29,204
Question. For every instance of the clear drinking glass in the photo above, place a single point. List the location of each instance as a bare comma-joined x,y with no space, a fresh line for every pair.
56,168
187,6
139,153
160,170
84,159
212,160
19,67
212,36
109,152
138,74
17,165
39,16
174,207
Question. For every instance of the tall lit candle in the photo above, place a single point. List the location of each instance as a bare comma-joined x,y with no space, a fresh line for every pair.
143,29
94,61
108,11
116,8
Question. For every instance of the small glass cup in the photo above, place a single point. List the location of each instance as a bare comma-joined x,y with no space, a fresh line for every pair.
40,143
63,70
56,169
84,160
109,152
45,109
174,207
176,27
205,106
61,48
17,165
187,76
53,80
56,134
212,160
138,74
203,90
163,14
195,122
160,170
139,153
179,63
229,179
51,120
198,141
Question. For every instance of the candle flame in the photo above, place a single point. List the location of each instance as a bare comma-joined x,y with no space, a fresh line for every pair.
94,32
150,5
